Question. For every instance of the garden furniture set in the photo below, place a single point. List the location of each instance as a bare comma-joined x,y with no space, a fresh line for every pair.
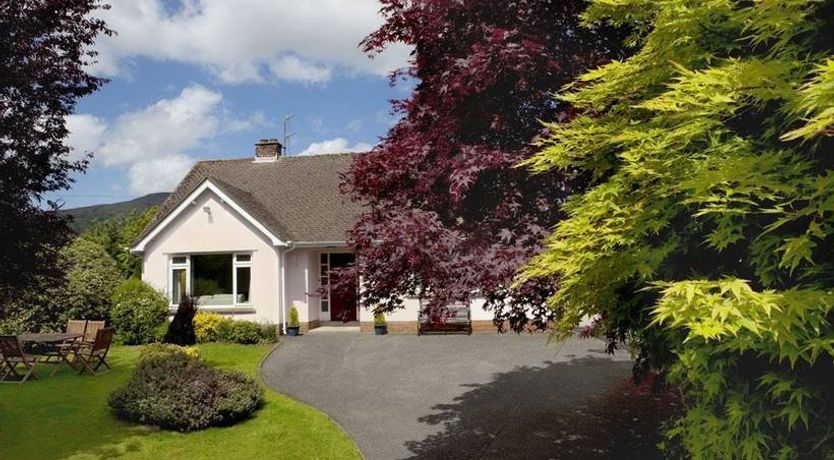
86,342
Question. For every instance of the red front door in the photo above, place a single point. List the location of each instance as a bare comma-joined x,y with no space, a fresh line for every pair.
343,303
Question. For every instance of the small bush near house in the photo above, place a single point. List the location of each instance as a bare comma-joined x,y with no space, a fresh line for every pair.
174,389
212,327
244,332
138,312
207,325
181,329
269,332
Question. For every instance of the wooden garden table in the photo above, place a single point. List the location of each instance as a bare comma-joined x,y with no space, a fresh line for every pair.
53,340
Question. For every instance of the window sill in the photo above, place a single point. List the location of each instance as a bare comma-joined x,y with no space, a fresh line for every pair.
221,308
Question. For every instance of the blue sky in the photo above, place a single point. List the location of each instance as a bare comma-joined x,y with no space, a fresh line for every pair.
197,79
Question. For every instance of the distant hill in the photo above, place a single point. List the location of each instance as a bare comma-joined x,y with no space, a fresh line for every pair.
84,217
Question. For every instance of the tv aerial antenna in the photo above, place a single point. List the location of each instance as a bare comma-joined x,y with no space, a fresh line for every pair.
288,135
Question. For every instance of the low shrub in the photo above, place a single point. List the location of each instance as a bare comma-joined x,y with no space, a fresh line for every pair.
174,389
181,329
212,327
269,333
138,312
244,332
207,326
161,330
161,350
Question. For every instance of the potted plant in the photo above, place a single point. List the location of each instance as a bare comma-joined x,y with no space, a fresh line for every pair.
293,325
380,327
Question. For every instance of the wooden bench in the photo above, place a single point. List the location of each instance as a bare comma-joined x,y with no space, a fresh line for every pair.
456,318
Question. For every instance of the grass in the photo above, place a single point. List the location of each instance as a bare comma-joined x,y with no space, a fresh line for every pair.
67,417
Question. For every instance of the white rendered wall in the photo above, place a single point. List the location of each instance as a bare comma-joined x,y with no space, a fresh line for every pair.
302,282
223,231
411,309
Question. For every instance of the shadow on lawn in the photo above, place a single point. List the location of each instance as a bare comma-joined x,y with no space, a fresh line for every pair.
557,416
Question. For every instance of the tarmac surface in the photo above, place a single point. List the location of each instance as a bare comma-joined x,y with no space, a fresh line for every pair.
484,396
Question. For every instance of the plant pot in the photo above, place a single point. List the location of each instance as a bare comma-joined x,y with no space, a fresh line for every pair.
292,331
381,329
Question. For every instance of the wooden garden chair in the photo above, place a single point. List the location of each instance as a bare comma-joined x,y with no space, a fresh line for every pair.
91,358
74,326
91,331
13,357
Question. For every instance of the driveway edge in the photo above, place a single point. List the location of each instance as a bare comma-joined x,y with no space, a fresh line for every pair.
264,383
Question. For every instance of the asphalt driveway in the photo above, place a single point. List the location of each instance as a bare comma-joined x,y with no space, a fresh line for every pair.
456,397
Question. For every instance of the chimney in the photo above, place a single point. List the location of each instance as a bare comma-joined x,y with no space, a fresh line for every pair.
267,150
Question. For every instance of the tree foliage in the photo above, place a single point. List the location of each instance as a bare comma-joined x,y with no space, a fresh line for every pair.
117,234
707,233
138,312
44,48
91,278
86,273
448,215
82,292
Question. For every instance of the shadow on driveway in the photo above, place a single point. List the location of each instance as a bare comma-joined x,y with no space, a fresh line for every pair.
488,422
476,397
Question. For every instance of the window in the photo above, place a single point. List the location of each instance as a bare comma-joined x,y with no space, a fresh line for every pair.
324,281
179,278
213,279
242,278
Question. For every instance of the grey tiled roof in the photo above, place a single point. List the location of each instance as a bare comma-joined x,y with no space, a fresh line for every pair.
297,198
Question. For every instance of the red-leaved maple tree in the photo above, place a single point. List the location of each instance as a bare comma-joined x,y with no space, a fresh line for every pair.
449,216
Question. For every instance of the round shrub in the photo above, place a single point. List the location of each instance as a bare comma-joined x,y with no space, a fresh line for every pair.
208,326
138,312
245,332
161,350
174,389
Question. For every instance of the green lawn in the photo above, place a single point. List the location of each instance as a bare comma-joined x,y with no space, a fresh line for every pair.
67,417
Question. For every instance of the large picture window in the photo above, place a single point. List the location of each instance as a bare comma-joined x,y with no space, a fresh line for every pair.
213,279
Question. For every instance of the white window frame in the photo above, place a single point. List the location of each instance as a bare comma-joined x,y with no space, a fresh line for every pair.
241,264
178,266
326,266
188,277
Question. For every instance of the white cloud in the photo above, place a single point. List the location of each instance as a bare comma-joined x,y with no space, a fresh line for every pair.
257,120
338,145
248,41
166,127
158,174
85,132
153,142
294,69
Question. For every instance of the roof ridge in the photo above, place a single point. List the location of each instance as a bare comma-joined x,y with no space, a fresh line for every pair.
251,159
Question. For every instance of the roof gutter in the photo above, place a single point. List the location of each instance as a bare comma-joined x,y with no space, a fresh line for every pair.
320,244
